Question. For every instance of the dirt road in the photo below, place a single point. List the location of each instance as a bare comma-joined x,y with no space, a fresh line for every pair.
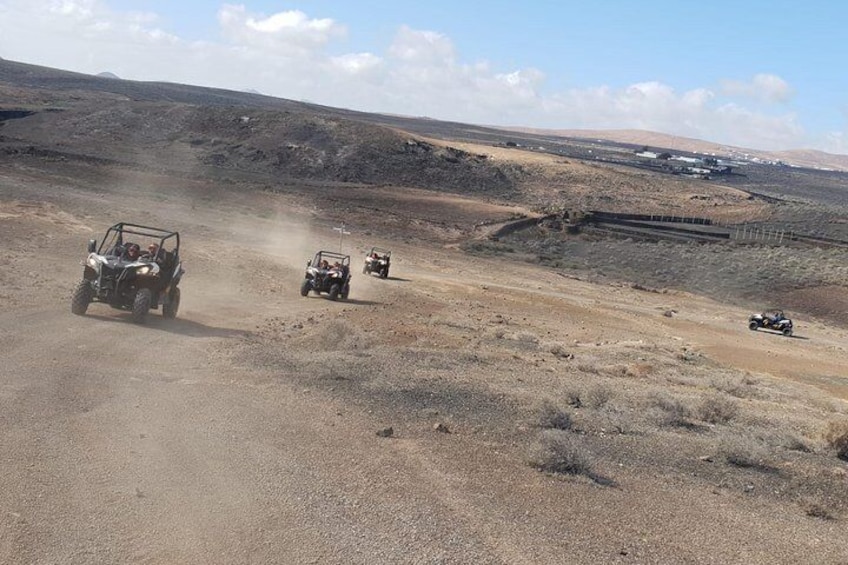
245,430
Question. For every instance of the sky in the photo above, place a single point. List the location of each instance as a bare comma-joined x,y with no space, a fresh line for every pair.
756,74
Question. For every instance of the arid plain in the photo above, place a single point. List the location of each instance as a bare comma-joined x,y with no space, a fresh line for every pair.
481,405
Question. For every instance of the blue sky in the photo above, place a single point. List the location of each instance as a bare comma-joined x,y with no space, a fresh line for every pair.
763,75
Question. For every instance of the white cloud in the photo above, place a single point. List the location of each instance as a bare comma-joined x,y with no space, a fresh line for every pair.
73,8
287,31
835,142
764,87
357,63
293,55
422,47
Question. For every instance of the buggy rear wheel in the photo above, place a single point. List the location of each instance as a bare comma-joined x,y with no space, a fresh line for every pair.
141,305
171,304
81,298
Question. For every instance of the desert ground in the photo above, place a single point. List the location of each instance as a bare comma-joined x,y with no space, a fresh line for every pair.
477,406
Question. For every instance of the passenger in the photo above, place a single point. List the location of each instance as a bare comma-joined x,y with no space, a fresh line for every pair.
152,252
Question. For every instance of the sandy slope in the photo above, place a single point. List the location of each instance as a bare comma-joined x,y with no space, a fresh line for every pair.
244,431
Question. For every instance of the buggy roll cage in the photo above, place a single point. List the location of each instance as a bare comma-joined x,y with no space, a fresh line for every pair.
341,257
115,236
380,251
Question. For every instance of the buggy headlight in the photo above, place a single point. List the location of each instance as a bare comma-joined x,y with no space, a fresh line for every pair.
93,262
143,270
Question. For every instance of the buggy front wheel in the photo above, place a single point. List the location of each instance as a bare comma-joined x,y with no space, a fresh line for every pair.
753,325
141,305
305,288
335,290
171,304
81,298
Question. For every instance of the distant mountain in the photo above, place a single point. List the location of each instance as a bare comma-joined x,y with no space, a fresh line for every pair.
654,140
25,75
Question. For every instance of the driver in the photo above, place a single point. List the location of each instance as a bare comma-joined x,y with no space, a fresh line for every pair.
133,251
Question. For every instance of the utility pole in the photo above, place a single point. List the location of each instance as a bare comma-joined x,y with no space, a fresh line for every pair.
342,233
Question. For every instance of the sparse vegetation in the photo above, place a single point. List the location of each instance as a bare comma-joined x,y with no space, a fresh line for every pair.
747,453
572,397
562,453
671,411
716,409
552,417
836,436
598,396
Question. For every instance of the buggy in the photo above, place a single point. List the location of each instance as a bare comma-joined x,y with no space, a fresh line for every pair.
327,272
121,274
773,319
377,261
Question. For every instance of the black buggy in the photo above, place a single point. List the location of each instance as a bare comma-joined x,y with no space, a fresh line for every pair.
327,272
377,261
773,319
125,275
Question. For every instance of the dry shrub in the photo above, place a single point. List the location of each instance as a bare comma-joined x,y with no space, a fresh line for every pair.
671,411
574,398
526,338
639,370
740,388
562,453
552,417
716,409
787,440
836,437
496,333
587,368
558,350
598,396
746,452
610,420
